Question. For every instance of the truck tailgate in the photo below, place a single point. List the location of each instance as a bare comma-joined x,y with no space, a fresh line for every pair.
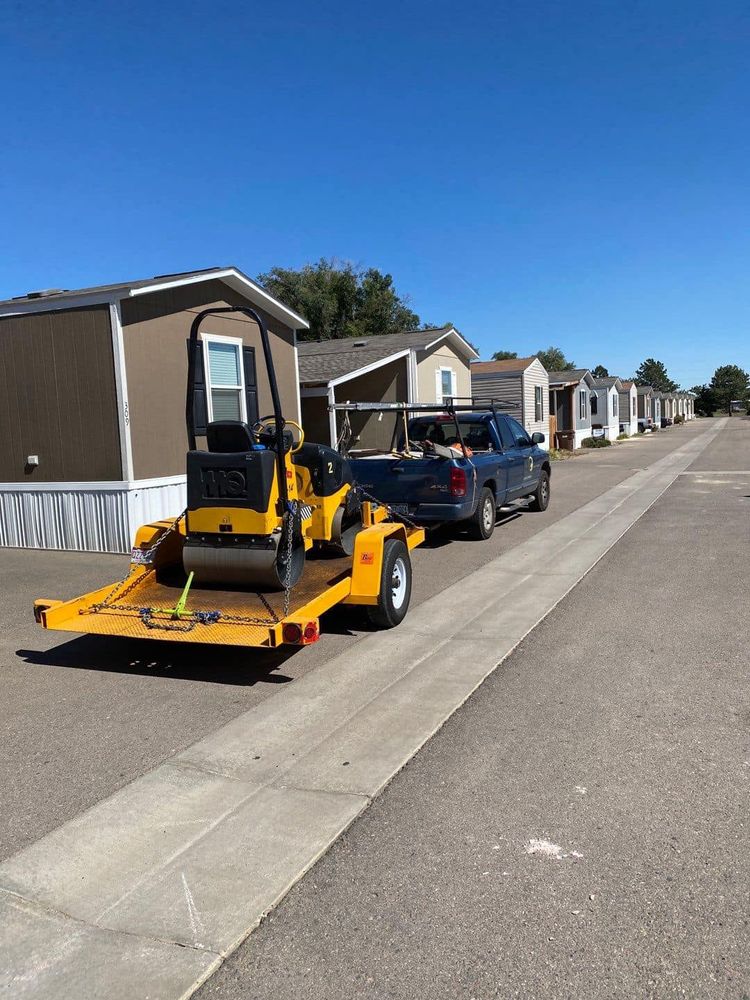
410,481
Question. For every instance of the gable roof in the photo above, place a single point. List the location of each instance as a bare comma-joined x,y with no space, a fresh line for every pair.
628,385
61,298
645,390
610,382
508,366
325,361
570,377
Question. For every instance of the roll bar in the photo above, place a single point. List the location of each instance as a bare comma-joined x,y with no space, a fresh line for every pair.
267,357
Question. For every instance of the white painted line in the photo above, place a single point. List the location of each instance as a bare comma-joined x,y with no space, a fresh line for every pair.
198,850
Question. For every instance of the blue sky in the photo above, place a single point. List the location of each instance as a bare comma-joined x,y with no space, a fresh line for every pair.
536,173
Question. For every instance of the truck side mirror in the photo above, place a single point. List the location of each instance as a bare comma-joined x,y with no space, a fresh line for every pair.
537,437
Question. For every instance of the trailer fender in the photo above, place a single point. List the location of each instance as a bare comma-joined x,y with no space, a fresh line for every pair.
368,560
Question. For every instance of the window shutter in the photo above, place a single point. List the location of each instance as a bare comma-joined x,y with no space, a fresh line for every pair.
200,410
251,384
454,384
438,386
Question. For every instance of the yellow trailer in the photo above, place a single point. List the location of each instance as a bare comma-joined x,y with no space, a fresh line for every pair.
157,600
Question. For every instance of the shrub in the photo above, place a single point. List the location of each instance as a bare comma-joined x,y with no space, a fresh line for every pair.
679,419
623,436
596,443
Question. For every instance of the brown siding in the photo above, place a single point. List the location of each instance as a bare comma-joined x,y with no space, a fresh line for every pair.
155,332
315,419
58,398
387,384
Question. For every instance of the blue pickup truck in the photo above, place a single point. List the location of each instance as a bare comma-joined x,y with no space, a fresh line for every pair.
458,467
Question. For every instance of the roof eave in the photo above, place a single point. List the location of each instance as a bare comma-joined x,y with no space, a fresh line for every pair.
451,332
230,276
348,376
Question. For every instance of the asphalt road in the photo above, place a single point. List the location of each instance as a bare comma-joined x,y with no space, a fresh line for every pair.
81,717
617,737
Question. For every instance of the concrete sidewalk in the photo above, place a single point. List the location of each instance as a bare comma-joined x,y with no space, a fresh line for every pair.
186,860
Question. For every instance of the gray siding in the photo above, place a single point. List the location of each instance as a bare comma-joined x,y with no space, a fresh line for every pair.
505,388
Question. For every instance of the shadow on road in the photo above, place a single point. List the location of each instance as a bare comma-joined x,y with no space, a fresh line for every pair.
194,662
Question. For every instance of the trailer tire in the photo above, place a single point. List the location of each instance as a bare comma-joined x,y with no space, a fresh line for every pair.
481,524
395,586
540,497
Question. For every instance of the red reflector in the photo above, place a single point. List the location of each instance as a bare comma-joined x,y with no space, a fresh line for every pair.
311,632
292,632
458,482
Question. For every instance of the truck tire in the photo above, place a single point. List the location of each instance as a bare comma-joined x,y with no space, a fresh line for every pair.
481,524
395,586
540,497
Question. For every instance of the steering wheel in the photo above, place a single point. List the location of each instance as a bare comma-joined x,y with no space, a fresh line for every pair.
267,425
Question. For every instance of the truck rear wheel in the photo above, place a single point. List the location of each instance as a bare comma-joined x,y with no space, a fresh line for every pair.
395,586
540,497
481,524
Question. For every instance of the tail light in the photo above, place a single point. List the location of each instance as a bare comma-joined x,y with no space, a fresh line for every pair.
301,635
457,484
292,632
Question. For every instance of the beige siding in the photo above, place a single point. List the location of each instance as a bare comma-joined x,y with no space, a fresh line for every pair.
155,333
58,398
429,364
536,375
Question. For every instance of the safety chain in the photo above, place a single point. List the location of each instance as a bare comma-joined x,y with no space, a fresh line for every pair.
289,516
393,513
147,615
147,559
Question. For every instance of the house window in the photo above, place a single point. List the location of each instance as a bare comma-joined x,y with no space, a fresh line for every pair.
224,378
633,406
594,404
614,406
538,405
582,406
446,384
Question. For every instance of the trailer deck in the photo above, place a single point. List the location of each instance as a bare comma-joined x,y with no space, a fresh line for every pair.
142,606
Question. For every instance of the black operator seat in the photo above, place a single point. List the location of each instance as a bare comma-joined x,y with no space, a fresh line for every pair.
229,437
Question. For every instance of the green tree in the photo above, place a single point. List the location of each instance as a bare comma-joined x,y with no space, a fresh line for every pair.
729,382
504,355
705,400
341,300
654,373
600,372
554,360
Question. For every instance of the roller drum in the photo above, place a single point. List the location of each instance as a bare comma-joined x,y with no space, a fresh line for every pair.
245,567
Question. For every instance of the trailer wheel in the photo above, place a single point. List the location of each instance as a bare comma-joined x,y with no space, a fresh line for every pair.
481,524
395,586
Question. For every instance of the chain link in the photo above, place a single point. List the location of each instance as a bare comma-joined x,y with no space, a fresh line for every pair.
393,513
289,516
146,565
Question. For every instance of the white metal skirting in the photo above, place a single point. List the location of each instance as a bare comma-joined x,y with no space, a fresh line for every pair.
85,517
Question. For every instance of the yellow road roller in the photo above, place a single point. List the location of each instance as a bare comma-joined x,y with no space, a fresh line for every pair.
275,533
